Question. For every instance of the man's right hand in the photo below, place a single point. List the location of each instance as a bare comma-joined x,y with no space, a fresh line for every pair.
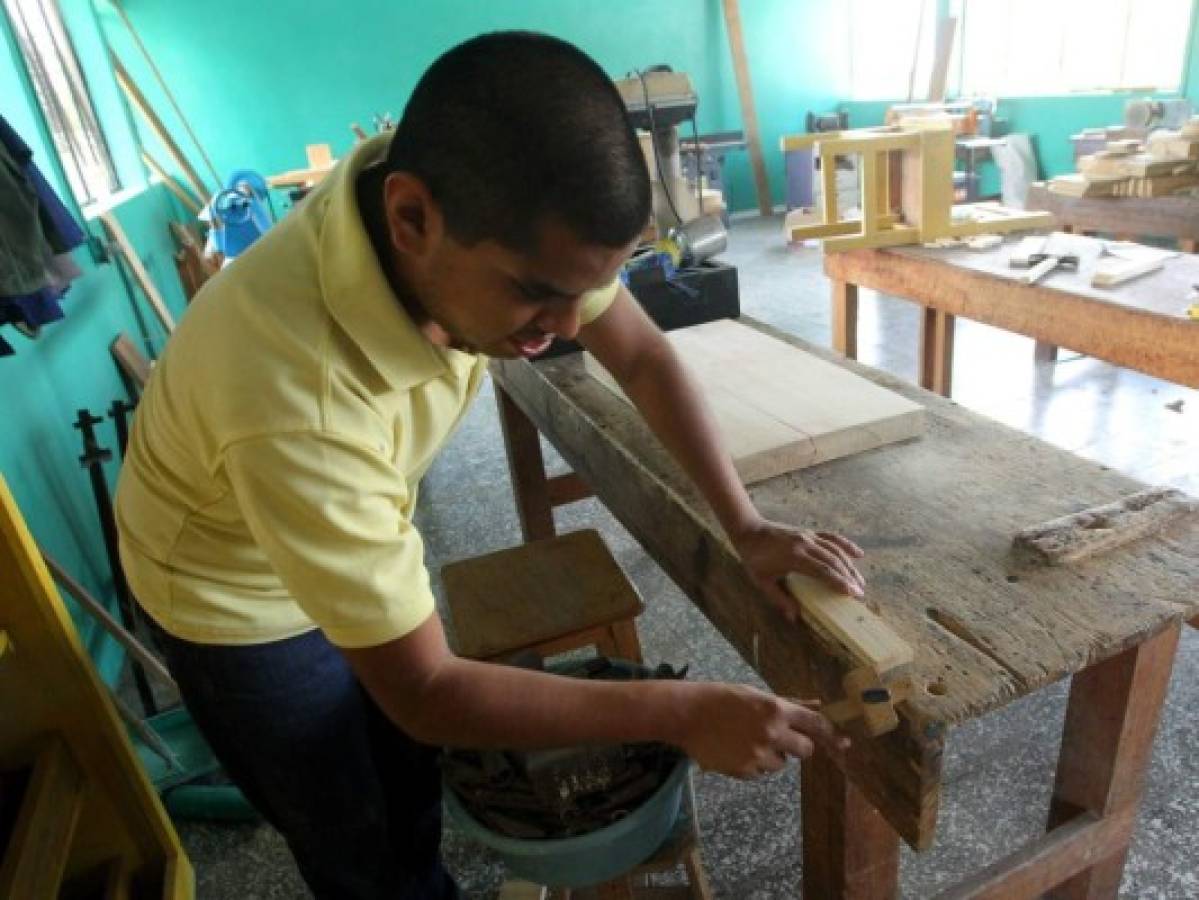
740,731
440,699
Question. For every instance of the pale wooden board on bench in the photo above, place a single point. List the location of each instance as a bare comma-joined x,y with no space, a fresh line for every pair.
779,408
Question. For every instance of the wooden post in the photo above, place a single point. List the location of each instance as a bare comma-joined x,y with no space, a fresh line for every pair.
121,240
1107,742
530,487
849,850
749,114
936,351
845,319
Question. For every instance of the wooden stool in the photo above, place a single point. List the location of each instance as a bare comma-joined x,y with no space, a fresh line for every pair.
551,597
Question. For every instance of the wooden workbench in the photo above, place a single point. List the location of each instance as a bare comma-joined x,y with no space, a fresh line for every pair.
936,517
1140,324
1138,217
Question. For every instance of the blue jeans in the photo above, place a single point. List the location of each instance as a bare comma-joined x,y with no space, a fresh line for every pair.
358,801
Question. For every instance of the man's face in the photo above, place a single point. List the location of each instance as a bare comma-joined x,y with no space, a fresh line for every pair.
493,300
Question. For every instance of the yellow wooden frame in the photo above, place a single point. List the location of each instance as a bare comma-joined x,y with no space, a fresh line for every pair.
926,205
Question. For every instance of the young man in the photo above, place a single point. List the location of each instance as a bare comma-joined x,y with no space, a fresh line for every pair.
266,502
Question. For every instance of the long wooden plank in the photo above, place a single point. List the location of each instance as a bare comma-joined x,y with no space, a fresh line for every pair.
117,233
779,409
749,112
139,101
165,89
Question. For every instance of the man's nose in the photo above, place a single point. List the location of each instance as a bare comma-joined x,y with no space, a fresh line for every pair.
562,318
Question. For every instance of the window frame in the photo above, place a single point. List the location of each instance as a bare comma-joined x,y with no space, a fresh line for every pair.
73,144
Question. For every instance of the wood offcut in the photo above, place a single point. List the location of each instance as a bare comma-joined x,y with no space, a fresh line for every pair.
1084,534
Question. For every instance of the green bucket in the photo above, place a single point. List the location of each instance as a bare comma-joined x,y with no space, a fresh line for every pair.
587,859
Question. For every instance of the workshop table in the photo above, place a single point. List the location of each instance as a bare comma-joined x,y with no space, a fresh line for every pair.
1141,324
936,516
1137,217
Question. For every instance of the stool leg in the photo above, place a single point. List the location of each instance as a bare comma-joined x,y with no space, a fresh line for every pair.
530,487
616,889
621,641
696,876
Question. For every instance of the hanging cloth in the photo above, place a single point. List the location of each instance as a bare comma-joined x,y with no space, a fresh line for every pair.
37,234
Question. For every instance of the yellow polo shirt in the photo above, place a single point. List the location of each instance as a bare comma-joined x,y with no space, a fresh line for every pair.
273,464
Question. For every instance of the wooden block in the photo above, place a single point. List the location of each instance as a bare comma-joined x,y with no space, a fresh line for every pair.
859,633
320,156
1111,273
1076,185
530,594
132,362
778,408
1121,147
1084,534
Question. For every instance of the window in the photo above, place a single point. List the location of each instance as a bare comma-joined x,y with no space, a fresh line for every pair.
891,48
62,93
1019,48
1031,47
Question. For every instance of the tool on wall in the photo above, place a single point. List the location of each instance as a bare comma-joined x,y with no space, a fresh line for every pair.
93,459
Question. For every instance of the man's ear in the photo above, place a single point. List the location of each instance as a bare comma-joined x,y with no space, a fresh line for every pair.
415,225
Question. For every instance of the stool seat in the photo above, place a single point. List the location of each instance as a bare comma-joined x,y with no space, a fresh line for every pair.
536,594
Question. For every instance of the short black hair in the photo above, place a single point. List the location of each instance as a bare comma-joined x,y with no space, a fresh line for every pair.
512,128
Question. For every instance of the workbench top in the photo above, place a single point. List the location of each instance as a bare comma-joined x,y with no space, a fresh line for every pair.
1160,293
936,516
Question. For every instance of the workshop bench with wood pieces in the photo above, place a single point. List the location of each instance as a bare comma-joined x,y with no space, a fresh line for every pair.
1139,217
936,516
1140,324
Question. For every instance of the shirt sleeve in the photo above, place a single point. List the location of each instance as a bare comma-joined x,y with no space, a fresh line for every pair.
596,303
329,515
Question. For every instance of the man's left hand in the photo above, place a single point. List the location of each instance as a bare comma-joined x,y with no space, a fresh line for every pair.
771,550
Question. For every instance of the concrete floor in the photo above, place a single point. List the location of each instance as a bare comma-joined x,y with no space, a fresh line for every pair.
998,771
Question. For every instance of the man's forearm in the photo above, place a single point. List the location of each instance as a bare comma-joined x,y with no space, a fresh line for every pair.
668,401
472,704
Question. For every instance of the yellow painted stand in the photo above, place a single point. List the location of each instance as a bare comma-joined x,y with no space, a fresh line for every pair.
925,210
89,820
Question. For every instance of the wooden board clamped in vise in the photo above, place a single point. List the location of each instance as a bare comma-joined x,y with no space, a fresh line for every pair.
879,659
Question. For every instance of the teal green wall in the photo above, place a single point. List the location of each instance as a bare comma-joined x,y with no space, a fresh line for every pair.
259,81
69,367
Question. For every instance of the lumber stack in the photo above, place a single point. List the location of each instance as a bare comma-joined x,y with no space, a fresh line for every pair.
1165,164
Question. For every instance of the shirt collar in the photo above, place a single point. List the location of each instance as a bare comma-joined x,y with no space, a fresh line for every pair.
355,287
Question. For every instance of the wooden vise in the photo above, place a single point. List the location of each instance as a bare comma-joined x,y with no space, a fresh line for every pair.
879,659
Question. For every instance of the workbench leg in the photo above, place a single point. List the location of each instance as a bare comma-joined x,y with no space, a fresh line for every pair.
845,319
936,351
1107,742
530,487
849,850
1045,353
